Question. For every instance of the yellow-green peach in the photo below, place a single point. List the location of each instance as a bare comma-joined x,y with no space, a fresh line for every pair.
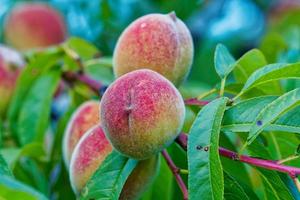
142,113
158,42
92,150
34,25
84,118
11,63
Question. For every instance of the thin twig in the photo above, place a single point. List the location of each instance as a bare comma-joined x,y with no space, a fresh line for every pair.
290,158
175,171
268,164
195,102
93,84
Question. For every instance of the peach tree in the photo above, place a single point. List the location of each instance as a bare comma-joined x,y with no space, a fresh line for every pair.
73,130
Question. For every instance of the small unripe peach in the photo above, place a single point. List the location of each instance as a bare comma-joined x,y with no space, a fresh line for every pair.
85,117
158,42
34,25
92,150
11,63
142,113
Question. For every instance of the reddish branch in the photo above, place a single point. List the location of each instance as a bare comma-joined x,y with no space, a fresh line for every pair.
268,164
72,77
175,170
195,102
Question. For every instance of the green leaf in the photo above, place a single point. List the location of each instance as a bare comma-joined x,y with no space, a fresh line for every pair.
162,187
83,48
240,117
274,187
12,189
31,72
4,169
108,180
272,72
233,190
247,64
205,169
224,62
34,115
272,111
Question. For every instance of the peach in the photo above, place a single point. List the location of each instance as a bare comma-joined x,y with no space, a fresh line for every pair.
11,63
158,42
85,117
34,25
92,150
142,113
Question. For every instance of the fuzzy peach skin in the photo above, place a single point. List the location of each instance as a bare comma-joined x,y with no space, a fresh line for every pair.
11,63
85,117
158,42
92,150
142,113
34,25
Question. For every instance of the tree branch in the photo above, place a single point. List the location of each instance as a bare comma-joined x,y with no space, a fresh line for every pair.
93,84
195,102
267,164
175,170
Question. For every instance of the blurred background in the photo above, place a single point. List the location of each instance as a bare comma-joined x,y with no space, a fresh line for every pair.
239,24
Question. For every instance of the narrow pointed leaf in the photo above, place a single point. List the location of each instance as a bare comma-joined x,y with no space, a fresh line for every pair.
108,180
13,189
224,62
272,72
35,112
247,64
272,112
233,189
240,117
32,71
4,169
205,169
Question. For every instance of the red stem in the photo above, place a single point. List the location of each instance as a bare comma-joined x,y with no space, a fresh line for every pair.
268,164
175,171
93,84
195,102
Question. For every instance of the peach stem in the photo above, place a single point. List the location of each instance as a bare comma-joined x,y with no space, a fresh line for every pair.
195,102
175,170
91,83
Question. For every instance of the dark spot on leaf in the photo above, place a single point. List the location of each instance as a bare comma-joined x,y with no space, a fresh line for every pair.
234,157
259,123
199,147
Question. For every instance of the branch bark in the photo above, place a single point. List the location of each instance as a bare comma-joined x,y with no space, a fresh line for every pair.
93,84
175,171
267,164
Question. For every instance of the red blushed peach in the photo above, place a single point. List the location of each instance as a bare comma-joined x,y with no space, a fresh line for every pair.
11,63
158,42
34,25
85,117
142,113
92,150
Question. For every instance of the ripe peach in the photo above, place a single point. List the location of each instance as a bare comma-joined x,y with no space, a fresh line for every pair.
141,113
85,117
92,150
11,63
158,42
34,25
